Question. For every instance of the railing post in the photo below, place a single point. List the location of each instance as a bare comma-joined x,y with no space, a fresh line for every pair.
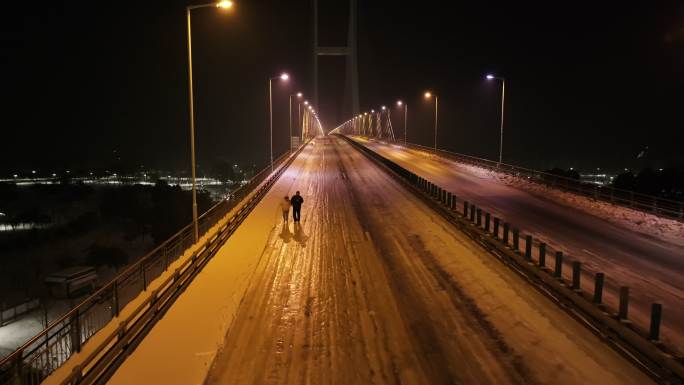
624,303
496,227
598,288
115,298
576,273
453,202
506,228
528,247
516,239
449,197
472,213
656,316
558,268
465,209
487,219
479,217
542,255
144,278
75,332
18,368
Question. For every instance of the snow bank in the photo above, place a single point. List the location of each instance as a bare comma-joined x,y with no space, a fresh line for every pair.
669,230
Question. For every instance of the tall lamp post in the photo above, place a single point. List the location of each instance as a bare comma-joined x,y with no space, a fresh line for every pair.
503,95
283,77
298,95
188,9
429,95
405,105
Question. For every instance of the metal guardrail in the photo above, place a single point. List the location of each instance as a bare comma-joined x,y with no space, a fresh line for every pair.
666,208
543,267
49,349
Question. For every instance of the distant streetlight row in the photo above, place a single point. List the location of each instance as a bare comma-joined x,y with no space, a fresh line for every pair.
226,5
430,95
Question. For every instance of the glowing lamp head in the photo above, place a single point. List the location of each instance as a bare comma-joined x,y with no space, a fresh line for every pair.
284,76
428,95
299,94
399,103
365,113
372,111
306,102
489,77
226,4
383,108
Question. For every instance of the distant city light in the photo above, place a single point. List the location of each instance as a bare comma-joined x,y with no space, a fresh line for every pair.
15,175
53,174
33,171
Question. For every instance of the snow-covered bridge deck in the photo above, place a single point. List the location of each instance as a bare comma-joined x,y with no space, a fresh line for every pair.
632,248
372,287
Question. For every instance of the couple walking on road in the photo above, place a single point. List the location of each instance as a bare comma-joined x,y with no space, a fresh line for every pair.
296,203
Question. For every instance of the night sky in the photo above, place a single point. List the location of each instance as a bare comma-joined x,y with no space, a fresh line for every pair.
589,84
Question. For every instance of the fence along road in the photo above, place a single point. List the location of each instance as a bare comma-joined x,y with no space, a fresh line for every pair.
652,268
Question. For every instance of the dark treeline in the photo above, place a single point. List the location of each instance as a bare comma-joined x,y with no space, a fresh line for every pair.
664,183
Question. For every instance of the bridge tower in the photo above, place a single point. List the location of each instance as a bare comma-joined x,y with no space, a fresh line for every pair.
349,51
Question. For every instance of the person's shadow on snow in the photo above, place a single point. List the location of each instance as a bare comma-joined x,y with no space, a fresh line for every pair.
285,233
299,234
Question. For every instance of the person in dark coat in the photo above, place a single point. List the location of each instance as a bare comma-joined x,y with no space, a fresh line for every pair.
296,202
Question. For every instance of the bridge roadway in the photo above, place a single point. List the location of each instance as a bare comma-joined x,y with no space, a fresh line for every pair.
371,288
652,268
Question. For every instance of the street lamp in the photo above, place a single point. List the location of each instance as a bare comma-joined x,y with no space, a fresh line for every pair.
223,5
283,77
298,95
429,95
400,104
503,95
